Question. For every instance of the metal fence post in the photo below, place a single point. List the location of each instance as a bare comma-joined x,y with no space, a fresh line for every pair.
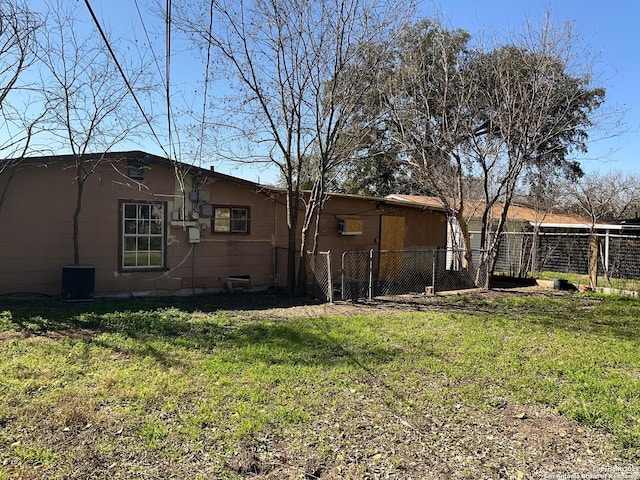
342,275
371,274
330,278
434,256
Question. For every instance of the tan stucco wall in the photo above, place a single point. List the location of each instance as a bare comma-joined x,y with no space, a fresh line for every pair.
36,224
36,231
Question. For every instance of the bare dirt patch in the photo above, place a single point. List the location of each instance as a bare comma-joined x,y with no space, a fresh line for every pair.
509,442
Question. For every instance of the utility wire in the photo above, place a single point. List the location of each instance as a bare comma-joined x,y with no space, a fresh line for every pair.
168,75
153,54
124,77
146,34
206,83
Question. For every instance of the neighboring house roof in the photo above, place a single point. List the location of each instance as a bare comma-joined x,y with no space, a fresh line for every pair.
520,213
389,200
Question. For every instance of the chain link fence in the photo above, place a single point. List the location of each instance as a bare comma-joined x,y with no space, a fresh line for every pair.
526,254
319,275
367,274
397,272
622,259
357,275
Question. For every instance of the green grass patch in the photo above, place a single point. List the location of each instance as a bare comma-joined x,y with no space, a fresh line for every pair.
86,388
579,279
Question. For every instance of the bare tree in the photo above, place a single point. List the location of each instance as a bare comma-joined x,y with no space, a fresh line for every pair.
18,29
428,99
87,101
536,102
289,61
602,197
487,116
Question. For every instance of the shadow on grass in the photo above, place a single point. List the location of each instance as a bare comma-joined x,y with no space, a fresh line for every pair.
161,327
130,314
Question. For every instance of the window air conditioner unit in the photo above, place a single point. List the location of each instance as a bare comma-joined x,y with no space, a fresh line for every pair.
350,226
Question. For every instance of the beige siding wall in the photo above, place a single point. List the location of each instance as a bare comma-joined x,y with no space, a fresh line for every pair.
422,229
36,224
219,256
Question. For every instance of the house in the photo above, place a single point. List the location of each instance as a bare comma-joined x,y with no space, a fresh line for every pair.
152,226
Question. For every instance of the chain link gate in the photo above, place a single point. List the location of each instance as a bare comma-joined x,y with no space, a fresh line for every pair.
405,271
357,275
398,272
320,270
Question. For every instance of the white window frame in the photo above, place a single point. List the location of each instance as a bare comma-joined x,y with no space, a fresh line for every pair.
142,235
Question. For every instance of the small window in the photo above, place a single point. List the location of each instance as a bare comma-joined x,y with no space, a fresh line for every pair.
231,220
142,240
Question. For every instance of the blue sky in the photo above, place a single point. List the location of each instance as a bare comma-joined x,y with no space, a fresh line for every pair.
610,30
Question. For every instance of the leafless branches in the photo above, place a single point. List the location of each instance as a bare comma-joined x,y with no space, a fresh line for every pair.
290,92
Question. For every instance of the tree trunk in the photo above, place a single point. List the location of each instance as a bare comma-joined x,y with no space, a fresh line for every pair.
467,259
76,215
301,287
593,260
291,248
309,215
3,195
482,272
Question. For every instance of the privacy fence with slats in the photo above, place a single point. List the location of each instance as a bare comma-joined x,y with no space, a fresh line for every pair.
373,273
529,255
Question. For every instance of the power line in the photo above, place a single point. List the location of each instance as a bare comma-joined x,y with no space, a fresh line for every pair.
124,77
168,74
157,64
146,34
206,82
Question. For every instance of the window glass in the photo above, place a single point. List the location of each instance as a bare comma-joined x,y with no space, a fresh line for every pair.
142,243
143,211
156,227
239,222
129,244
130,211
223,213
129,259
221,225
155,243
130,226
231,220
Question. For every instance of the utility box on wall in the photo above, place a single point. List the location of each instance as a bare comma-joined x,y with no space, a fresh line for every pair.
205,210
200,195
194,235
